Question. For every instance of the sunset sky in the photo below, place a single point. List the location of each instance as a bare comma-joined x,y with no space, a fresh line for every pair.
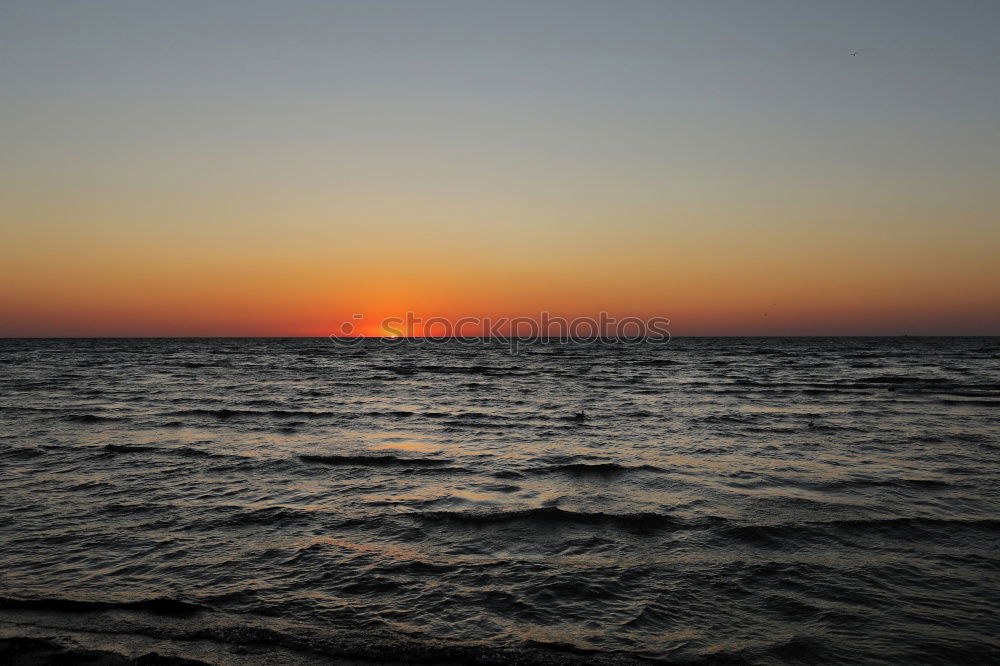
272,168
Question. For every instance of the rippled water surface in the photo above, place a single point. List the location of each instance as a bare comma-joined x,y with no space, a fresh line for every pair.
761,500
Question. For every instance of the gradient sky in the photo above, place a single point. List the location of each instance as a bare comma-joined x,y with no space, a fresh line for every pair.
271,168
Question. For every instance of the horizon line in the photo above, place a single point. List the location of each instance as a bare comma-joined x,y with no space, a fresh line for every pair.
479,337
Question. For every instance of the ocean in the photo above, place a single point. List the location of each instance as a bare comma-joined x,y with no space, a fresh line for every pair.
706,500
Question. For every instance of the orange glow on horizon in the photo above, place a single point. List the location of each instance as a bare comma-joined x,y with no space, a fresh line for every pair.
231,185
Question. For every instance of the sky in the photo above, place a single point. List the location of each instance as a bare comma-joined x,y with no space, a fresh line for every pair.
274,168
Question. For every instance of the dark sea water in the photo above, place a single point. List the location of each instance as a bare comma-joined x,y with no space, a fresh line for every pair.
761,500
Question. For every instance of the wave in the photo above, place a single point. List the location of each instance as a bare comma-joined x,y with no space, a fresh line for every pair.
227,413
969,402
90,418
134,509
33,650
158,606
508,474
896,483
596,468
224,363
272,515
899,379
185,451
986,524
727,529
490,371
554,514
752,480
907,529
374,461
284,646
129,448
21,452
466,424
21,408
429,470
